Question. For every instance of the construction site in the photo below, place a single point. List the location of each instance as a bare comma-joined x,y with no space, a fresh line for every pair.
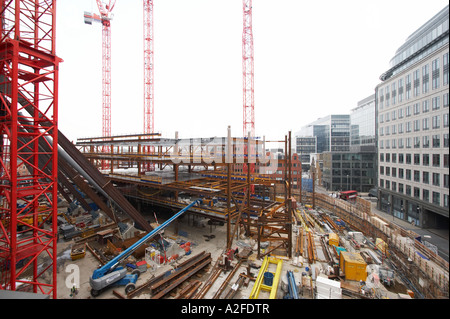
146,216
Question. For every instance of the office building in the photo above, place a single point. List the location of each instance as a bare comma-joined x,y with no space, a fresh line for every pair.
412,105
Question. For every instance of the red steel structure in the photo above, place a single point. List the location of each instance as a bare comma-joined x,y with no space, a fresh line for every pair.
105,9
248,79
248,70
28,146
149,120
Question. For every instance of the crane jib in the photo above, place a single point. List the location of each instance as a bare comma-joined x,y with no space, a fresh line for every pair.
113,263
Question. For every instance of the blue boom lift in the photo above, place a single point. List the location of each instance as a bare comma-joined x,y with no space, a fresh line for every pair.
112,274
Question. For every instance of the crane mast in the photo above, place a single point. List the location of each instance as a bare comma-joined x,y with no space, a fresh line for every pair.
148,68
248,70
149,121
248,83
105,18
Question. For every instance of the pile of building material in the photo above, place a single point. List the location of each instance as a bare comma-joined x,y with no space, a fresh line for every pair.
327,288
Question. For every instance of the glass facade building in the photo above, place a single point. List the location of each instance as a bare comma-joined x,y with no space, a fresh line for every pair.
332,133
362,130
349,171
412,126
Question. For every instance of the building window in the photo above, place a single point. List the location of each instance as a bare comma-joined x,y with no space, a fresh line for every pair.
445,138
400,158
416,79
416,142
408,127
435,180
436,198
408,158
436,141
445,120
446,181
435,103
426,141
381,157
416,192
445,68
436,121
425,78
416,108
408,86
400,113
394,186
408,111
436,160
425,177
381,98
425,159
394,93
446,160
416,159
435,74
408,142
400,128
425,124
400,90
408,174
425,106
425,195
445,100
416,125
417,176
400,173
388,96
445,203
394,158
381,170
394,172
400,188
408,190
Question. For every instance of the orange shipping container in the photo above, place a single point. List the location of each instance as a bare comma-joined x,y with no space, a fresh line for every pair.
353,266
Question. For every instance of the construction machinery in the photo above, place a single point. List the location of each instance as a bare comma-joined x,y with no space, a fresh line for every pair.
113,274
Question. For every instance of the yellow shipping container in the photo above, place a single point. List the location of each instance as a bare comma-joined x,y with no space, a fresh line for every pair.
333,239
353,266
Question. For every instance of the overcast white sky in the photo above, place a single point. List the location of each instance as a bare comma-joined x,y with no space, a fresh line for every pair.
312,59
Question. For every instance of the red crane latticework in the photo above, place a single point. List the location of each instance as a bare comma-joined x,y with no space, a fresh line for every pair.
105,15
248,80
149,121
148,68
28,146
248,70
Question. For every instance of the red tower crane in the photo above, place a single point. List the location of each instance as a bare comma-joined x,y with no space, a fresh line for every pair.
248,80
149,121
105,8
248,70
28,146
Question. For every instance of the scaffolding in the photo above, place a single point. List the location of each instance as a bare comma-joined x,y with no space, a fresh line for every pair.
204,167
